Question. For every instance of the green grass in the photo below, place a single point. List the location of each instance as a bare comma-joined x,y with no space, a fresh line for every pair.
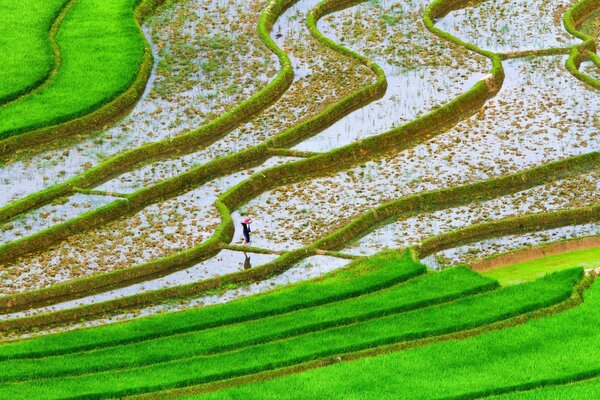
462,314
27,57
533,269
587,389
560,347
101,50
420,292
383,270
591,25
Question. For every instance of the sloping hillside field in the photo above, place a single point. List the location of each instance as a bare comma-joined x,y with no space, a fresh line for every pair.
299,199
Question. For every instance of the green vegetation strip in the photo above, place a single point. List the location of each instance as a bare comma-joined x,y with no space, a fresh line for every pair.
586,388
533,269
428,201
28,28
356,153
572,20
457,196
508,226
182,144
421,292
85,80
216,129
559,349
106,113
376,273
575,299
393,140
463,314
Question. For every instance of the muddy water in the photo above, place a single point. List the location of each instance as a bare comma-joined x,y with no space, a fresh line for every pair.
578,192
477,251
309,268
52,214
178,97
311,90
225,262
419,79
156,231
591,69
542,114
511,25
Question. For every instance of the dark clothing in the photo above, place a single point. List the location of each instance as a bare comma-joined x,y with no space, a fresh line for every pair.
247,264
246,232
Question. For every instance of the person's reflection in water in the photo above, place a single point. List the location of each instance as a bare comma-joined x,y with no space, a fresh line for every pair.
247,264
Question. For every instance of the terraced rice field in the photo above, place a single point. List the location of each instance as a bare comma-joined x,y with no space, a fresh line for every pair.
422,176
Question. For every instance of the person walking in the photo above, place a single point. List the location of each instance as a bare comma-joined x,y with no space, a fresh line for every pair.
246,230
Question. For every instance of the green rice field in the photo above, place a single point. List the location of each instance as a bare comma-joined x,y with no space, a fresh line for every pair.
299,199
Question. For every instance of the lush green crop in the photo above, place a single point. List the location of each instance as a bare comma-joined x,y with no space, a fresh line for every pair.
376,306
529,270
27,58
101,50
557,348
375,273
587,389
420,292
463,314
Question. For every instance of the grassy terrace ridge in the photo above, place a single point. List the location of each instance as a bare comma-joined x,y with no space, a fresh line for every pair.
101,49
544,352
573,19
425,291
428,200
361,277
508,226
223,234
568,390
407,134
464,313
207,134
27,53
390,327
591,159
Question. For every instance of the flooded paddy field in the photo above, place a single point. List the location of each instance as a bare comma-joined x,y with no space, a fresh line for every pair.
304,119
